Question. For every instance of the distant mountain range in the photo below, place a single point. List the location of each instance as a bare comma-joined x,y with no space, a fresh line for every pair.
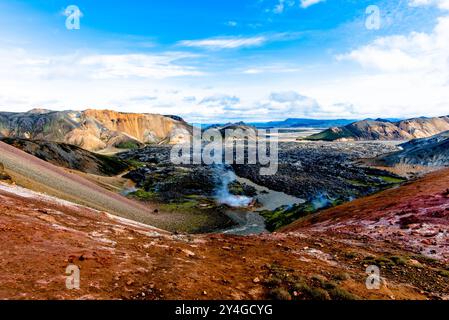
300,122
384,129
433,151
295,123
94,129
288,123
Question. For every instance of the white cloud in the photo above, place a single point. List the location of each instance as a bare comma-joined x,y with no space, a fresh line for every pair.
238,42
94,66
282,4
401,75
408,74
279,8
225,42
137,65
290,96
385,54
273,68
278,105
427,53
220,100
308,3
291,104
189,99
82,80
442,4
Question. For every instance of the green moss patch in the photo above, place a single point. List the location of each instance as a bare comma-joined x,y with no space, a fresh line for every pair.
284,284
128,145
284,216
144,195
390,261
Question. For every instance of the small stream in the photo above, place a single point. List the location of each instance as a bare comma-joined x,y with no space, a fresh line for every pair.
251,222
270,199
247,223
248,220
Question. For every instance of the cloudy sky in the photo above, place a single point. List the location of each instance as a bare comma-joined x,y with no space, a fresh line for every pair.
227,60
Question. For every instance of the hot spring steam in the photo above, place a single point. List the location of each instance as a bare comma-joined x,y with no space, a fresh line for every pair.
225,177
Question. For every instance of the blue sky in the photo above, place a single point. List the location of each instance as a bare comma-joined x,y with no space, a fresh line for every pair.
227,60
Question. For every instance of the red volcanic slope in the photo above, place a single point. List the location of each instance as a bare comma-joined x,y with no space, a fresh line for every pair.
414,216
118,259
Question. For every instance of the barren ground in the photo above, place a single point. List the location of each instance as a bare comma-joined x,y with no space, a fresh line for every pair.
119,259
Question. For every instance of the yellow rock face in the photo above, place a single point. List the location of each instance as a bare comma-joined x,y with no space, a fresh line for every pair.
95,130
135,125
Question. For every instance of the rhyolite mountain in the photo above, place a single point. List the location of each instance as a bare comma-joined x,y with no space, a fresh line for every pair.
433,151
232,131
381,129
94,130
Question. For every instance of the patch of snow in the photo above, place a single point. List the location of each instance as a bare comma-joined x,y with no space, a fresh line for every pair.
320,255
29,194
132,223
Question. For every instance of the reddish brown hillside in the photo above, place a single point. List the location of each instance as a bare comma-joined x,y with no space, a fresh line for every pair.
414,216
119,259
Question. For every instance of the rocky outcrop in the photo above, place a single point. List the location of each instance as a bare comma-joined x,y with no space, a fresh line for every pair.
94,129
380,129
433,151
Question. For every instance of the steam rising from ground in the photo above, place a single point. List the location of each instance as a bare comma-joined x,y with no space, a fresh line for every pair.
321,201
225,177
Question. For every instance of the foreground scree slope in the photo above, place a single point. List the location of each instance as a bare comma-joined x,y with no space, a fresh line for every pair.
322,258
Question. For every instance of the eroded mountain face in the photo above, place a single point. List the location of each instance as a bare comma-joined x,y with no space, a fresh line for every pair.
385,130
94,130
433,152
